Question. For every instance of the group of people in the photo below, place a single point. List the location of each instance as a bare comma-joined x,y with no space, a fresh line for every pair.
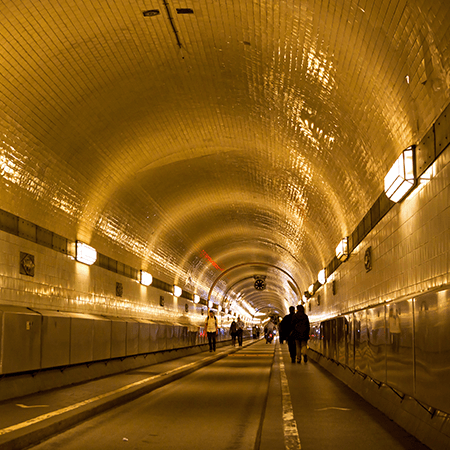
212,329
294,328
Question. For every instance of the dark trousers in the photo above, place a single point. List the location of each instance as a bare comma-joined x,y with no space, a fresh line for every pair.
239,336
212,341
292,348
233,339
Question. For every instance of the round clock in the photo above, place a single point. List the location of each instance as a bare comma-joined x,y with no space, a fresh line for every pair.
260,285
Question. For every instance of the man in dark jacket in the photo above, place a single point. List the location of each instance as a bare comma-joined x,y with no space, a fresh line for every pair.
300,323
287,332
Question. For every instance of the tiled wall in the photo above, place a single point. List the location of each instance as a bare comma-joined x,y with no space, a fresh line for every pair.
61,283
410,250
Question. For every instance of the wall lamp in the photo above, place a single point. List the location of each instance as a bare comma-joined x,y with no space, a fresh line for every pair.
342,250
400,178
177,291
196,298
311,289
146,279
322,276
85,253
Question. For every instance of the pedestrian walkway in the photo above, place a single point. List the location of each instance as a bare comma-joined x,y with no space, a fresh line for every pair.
310,409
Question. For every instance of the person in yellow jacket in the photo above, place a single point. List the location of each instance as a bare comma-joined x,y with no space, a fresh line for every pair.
212,329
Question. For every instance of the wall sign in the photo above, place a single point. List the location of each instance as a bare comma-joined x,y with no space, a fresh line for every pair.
27,265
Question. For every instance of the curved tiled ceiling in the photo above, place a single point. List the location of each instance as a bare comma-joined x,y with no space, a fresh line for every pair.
246,131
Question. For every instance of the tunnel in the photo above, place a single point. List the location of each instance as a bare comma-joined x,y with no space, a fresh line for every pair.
164,159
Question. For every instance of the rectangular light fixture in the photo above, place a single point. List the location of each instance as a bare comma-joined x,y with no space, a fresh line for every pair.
322,276
177,291
311,289
85,253
146,278
196,298
400,178
342,250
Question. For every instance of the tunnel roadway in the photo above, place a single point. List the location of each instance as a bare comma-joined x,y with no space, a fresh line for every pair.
253,398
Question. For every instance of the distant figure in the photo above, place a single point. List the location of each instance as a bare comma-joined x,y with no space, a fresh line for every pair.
287,333
233,331
300,323
268,331
211,329
240,330
254,331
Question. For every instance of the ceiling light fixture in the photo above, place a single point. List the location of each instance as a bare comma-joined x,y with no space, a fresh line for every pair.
322,276
85,253
342,250
177,291
400,178
146,278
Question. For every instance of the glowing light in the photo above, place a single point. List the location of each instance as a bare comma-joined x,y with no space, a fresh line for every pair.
85,253
342,250
196,298
177,291
146,278
400,178
322,276
311,289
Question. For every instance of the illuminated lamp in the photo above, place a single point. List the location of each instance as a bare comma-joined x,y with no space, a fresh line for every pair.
322,276
210,304
219,308
305,298
196,298
85,253
400,178
342,250
146,278
311,289
177,291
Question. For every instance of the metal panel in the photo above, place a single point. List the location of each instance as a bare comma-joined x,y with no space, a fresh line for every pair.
400,352
9,222
20,340
132,337
55,344
425,153
118,337
81,338
432,349
341,340
351,340
144,336
361,341
376,354
27,230
102,339
161,336
153,337
442,130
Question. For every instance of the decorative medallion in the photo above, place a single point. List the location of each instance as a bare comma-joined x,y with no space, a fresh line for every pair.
161,300
368,259
27,264
119,289
186,307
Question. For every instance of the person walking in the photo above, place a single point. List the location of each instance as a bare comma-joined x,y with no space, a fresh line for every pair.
233,331
287,332
211,329
239,330
300,323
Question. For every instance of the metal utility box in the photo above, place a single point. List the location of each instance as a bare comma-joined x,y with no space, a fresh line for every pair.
118,337
132,337
55,339
20,345
102,338
81,338
144,335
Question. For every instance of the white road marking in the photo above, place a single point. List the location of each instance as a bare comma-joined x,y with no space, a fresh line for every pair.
31,406
291,437
333,407
86,402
